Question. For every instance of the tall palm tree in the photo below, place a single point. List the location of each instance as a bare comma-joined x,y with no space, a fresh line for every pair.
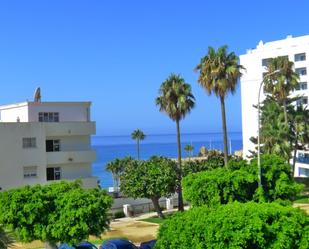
176,100
219,72
280,84
138,135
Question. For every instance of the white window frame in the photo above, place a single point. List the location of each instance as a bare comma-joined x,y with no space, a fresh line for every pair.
29,142
30,172
48,116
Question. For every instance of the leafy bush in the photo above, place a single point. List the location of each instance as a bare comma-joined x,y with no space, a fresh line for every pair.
119,214
152,179
194,166
219,186
56,212
239,182
277,180
250,225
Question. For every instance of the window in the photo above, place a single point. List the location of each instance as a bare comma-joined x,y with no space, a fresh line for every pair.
53,173
302,101
29,142
30,171
300,57
301,86
265,62
52,145
48,116
301,71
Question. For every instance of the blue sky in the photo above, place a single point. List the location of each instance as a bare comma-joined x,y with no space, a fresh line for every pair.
117,53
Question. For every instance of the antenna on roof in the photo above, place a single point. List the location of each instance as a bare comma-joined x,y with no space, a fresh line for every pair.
37,95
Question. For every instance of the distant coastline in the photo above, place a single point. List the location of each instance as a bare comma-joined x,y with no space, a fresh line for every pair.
110,147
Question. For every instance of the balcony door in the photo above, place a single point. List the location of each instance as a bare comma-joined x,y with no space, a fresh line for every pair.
52,145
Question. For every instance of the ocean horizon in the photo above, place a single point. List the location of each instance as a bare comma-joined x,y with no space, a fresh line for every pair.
109,148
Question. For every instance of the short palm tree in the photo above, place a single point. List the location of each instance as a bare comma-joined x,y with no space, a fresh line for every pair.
219,72
6,239
280,84
176,100
189,148
138,135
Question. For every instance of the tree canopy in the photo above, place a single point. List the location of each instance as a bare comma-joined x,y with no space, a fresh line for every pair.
59,212
152,179
236,225
239,183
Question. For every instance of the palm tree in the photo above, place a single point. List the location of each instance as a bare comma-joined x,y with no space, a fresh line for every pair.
280,80
176,100
116,167
219,72
300,129
6,239
189,148
138,135
275,135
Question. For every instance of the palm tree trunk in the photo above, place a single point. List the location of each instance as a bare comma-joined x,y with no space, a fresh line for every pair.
224,131
155,201
294,156
285,113
179,190
138,149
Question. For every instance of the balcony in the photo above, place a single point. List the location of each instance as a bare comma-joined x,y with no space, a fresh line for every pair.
302,160
69,128
68,157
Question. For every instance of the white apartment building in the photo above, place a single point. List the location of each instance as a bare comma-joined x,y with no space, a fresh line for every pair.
41,142
255,60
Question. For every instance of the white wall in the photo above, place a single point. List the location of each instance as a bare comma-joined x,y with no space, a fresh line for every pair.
13,112
67,112
73,143
253,76
13,157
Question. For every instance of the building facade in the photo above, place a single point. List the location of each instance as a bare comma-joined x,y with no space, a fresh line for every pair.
255,62
41,142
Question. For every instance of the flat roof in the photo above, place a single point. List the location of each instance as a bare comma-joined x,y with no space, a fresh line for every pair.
47,103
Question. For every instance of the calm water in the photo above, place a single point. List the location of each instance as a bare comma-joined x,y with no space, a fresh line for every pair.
111,147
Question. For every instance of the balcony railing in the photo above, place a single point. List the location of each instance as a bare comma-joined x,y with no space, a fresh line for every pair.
68,157
69,128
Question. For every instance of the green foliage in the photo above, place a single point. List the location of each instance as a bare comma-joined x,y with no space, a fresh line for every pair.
175,97
119,214
194,166
219,186
278,184
239,183
6,238
155,177
235,226
57,212
150,179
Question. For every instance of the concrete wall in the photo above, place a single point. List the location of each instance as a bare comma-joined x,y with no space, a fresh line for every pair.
12,112
13,157
73,143
68,112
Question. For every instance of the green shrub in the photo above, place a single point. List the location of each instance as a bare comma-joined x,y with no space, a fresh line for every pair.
195,166
249,225
119,214
239,182
219,186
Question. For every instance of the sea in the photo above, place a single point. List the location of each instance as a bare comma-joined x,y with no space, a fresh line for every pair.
109,148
